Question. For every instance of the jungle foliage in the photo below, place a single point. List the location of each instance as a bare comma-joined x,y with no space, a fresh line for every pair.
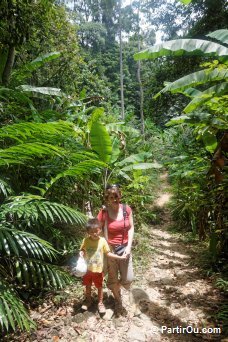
205,119
62,139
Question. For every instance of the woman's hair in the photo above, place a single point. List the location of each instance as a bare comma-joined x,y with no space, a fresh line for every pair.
110,186
112,189
92,223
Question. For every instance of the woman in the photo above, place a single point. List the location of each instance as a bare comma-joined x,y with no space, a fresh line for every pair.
118,227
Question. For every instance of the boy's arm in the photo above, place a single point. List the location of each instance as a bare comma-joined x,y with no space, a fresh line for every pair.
115,256
109,254
82,250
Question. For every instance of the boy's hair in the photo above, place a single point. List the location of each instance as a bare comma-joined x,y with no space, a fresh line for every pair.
92,223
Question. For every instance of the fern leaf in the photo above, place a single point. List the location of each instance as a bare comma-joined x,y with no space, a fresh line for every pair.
16,242
5,188
33,273
52,132
24,153
36,208
12,311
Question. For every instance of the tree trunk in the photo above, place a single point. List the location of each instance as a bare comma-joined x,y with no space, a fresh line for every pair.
8,66
121,64
141,94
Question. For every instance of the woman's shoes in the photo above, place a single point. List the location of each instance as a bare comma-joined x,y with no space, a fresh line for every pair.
118,308
101,308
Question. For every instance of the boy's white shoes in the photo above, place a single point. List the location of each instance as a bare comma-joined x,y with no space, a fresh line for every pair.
86,304
101,308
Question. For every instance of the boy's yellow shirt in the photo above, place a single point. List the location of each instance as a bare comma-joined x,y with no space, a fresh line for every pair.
94,253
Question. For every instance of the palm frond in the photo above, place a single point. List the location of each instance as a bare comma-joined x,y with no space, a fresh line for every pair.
53,132
37,209
32,273
21,243
83,168
5,188
24,153
12,311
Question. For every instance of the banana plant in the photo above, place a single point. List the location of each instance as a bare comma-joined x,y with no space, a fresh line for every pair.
214,76
106,142
201,205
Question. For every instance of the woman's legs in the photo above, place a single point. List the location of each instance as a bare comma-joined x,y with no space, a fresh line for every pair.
113,281
125,269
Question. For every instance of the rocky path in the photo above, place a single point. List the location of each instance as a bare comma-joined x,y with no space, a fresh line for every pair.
169,294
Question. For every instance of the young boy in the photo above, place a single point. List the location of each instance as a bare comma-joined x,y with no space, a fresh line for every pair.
93,249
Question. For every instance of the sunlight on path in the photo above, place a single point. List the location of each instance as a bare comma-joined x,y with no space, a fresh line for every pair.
170,292
162,200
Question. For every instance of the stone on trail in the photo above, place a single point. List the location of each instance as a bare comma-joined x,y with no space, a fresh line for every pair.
136,334
108,315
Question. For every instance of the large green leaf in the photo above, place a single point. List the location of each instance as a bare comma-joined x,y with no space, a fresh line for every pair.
185,2
141,166
207,94
195,79
221,35
41,90
115,150
134,158
194,118
177,120
101,141
41,60
97,113
183,47
190,92
26,70
210,141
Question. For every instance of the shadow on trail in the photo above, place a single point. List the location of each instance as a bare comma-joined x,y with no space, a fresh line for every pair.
163,316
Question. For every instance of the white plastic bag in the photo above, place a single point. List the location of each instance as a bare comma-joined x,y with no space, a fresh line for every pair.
80,268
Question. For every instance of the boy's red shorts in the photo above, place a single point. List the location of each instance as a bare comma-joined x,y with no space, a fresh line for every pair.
93,277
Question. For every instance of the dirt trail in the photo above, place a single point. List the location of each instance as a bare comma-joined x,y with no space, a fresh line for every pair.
170,293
